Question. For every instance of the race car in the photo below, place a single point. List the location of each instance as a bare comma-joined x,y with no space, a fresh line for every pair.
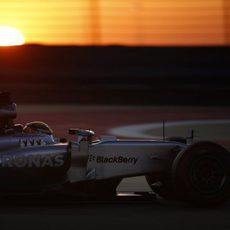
33,160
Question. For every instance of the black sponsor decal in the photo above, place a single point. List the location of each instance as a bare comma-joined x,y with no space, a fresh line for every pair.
91,157
113,160
36,161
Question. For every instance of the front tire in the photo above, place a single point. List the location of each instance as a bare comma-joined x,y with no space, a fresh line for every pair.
201,174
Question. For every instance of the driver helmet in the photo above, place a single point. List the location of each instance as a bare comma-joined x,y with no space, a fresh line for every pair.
37,127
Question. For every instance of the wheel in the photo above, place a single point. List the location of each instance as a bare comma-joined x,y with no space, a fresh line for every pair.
201,174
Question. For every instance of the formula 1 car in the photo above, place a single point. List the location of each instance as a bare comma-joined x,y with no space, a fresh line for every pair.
33,160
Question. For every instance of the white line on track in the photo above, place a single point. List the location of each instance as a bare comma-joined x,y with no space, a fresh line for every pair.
138,131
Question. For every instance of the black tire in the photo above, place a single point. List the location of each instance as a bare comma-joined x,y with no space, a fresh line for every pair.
201,174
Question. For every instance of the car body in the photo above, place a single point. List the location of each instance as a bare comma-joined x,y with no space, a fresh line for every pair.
28,156
32,159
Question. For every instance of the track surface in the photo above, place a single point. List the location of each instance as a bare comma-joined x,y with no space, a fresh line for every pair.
132,214
109,215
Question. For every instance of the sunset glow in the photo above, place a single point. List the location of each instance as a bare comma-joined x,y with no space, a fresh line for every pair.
125,22
10,36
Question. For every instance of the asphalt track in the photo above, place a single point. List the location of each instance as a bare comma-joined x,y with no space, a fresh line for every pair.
122,214
132,213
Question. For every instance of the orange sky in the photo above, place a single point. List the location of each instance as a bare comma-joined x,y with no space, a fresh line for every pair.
128,22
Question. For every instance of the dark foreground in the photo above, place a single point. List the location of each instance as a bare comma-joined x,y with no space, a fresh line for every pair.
124,213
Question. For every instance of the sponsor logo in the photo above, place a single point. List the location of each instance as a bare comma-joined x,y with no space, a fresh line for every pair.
33,161
113,160
31,142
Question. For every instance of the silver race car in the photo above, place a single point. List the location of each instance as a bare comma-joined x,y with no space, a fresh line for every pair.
33,160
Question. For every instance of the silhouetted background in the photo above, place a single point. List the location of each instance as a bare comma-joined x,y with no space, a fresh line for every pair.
116,75
134,52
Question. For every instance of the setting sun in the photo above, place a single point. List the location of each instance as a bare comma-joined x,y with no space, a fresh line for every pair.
10,36
125,22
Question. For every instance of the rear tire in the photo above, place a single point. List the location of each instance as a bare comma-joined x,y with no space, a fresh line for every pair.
201,174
